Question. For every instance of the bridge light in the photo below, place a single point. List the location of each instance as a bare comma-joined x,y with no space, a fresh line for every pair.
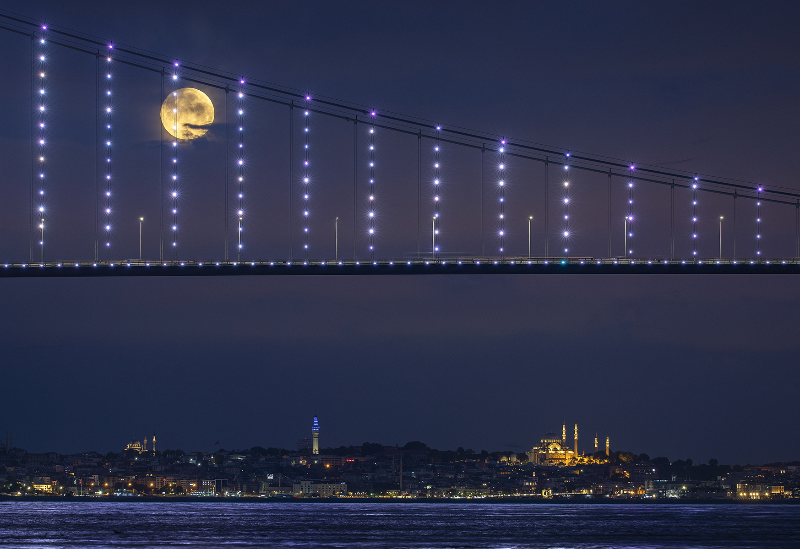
42,48
694,217
759,190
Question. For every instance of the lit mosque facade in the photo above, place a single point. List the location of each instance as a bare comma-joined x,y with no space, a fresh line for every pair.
554,450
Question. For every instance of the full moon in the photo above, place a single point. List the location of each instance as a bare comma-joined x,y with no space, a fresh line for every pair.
186,112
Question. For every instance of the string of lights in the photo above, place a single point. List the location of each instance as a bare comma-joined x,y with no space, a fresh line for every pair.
174,187
107,111
40,207
694,217
240,171
306,176
371,195
501,187
758,221
437,189
629,218
565,202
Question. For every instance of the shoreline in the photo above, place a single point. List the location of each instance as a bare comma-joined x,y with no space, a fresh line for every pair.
432,501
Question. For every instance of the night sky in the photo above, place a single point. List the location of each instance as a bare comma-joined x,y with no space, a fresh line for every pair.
693,367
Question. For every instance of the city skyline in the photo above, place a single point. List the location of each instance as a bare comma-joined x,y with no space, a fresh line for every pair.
560,449
553,468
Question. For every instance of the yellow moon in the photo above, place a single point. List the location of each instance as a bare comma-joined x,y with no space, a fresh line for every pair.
186,112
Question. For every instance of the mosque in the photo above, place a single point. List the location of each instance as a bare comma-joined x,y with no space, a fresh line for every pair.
554,450
141,447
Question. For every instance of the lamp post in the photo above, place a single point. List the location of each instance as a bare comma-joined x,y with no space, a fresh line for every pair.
336,233
433,238
720,236
625,236
530,218
140,237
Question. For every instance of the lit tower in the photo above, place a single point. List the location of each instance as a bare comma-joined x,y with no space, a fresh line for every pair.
595,443
564,434
576,440
608,447
315,435
154,442
144,445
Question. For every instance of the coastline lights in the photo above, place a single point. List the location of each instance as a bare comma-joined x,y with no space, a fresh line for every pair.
107,113
565,200
40,206
501,187
629,218
437,191
174,186
240,170
694,216
758,221
371,195
306,176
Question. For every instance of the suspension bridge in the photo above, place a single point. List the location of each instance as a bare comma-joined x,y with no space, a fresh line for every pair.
421,197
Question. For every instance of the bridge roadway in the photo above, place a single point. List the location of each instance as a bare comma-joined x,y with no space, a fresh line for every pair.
473,266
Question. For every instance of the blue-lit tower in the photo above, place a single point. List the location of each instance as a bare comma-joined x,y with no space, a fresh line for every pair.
315,435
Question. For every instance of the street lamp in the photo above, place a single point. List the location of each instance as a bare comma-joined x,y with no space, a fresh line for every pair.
530,218
433,238
140,237
720,236
625,236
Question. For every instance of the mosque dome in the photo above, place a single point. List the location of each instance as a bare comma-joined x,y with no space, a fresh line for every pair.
551,437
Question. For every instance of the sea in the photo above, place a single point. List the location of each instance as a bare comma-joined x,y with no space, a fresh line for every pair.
232,524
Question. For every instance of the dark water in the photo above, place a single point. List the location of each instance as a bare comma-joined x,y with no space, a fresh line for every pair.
385,525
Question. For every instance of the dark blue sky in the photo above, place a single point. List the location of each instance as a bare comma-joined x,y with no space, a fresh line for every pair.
695,367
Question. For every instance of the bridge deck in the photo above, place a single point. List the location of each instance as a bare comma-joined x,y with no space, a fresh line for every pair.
586,265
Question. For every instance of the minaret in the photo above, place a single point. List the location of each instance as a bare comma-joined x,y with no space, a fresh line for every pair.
564,434
154,442
144,444
576,440
608,447
315,435
595,443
